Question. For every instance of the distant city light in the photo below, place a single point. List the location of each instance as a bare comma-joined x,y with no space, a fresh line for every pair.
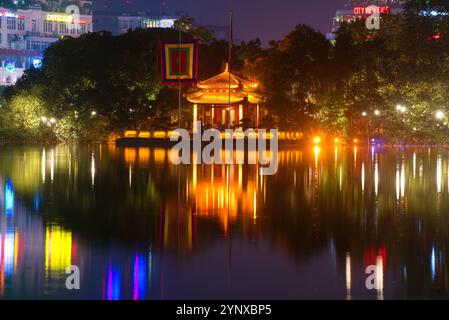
377,112
364,113
433,13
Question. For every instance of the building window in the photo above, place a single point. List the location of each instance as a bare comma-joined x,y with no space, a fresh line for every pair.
48,26
20,24
33,26
83,29
11,23
63,27
1,22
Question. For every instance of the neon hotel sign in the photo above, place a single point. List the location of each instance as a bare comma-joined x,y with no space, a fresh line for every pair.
361,11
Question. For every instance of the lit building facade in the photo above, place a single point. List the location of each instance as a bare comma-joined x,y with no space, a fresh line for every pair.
120,23
26,31
358,9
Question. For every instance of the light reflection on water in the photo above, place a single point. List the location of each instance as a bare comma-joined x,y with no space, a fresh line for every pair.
139,227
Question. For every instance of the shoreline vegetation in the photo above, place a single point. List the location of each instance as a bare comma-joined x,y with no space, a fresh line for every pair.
389,83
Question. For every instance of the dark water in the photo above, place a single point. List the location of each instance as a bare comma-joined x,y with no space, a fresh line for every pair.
139,227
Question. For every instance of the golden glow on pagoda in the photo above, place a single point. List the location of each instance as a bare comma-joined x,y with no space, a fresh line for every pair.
216,90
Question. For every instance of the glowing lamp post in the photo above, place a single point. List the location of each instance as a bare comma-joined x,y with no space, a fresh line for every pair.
439,115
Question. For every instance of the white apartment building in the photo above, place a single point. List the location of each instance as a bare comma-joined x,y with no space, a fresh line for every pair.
26,33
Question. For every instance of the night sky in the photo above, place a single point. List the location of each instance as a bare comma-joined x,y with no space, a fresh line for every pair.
266,19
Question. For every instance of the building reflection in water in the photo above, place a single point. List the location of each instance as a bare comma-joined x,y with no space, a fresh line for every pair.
365,201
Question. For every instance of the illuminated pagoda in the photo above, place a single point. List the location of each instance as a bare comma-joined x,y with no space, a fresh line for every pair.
213,98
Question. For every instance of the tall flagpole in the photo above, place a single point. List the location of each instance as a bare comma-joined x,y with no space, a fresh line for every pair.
229,68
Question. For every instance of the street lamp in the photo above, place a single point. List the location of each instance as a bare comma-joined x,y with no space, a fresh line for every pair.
364,114
93,113
439,115
377,112
401,108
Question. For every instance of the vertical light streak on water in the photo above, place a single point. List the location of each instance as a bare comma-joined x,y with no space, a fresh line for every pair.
92,170
254,206
379,277
376,176
113,284
348,276
294,179
402,179
150,267
130,176
52,165
7,252
43,165
363,177
433,263
316,176
70,166
414,165
316,152
340,176
398,183
139,277
447,178
336,155
9,198
240,176
439,174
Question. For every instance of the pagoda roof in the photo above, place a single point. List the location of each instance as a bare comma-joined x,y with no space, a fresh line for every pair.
215,90
222,81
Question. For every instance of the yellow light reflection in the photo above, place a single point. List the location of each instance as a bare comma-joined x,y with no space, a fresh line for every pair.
144,155
439,174
348,276
414,164
363,177
159,155
58,248
379,277
316,152
130,155
52,165
402,180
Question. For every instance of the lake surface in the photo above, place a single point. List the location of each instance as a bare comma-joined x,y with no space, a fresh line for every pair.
139,227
